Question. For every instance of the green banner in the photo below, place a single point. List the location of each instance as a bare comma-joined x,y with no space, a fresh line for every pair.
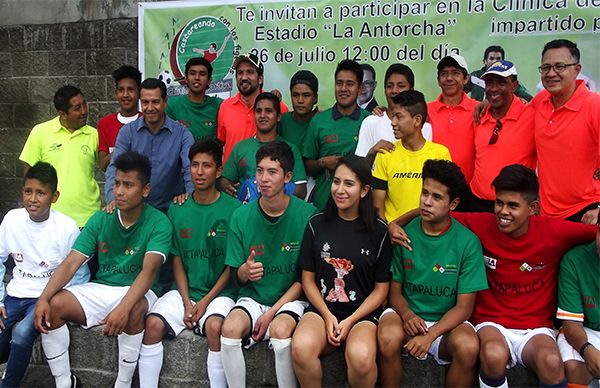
315,35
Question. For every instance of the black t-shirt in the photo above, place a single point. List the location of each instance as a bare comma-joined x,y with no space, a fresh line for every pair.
346,260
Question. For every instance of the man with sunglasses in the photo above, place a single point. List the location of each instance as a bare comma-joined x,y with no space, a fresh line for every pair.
567,136
503,136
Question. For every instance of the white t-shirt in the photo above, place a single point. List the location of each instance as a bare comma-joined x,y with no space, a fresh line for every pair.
375,128
37,249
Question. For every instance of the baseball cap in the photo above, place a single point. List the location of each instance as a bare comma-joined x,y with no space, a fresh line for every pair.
502,68
253,59
454,60
307,78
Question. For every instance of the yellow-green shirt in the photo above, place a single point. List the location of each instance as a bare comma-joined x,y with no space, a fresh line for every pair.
399,172
74,156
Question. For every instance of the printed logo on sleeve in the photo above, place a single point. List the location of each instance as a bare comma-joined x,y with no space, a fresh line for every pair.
490,262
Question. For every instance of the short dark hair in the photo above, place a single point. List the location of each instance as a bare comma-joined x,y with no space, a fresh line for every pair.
447,173
367,67
154,83
63,96
350,65
133,161
199,61
43,172
399,68
413,101
207,146
127,71
268,96
518,178
492,49
366,209
278,151
560,43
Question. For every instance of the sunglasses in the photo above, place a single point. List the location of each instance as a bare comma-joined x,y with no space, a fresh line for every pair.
496,132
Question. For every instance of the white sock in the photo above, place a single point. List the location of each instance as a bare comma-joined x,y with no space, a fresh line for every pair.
484,385
233,362
284,369
216,373
129,351
150,364
56,348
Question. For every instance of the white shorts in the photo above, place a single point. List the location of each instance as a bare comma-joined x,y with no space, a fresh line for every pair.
516,339
566,350
254,310
169,308
98,300
434,349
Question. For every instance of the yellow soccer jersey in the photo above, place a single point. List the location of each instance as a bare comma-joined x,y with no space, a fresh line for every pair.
400,170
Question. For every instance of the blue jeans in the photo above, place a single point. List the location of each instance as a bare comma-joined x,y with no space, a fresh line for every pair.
16,340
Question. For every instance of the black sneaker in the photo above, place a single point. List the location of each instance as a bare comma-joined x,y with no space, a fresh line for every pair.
75,382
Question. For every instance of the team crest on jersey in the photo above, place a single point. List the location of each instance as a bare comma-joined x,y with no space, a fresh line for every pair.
185,232
293,246
408,264
18,257
490,262
43,264
243,163
525,267
333,138
259,250
102,246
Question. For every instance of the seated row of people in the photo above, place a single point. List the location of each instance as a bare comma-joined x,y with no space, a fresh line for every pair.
240,273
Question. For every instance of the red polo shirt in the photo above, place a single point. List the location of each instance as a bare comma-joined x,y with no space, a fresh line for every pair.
567,140
454,128
515,145
236,122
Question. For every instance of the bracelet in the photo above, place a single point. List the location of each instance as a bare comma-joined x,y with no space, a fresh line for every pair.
320,162
584,347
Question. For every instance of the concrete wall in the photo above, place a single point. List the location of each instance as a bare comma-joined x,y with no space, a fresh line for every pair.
94,360
35,60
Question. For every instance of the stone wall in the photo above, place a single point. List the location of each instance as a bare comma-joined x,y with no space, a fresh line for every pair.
35,60
94,361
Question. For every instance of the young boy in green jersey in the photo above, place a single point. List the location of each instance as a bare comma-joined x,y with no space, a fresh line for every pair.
333,133
434,285
304,89
196,111
397,174
579,309
263,246
204,295
131,244
239,172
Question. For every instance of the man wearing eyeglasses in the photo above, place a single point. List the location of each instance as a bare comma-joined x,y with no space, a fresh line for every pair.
567,133
503,136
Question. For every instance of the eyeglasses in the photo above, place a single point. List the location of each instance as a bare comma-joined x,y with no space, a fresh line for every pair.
496,132
558,67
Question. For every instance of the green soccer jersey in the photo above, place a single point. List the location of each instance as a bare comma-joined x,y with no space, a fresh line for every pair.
292,130
199,238
199,117
579,286
438,268
241,164
329,133
121,250
276,245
